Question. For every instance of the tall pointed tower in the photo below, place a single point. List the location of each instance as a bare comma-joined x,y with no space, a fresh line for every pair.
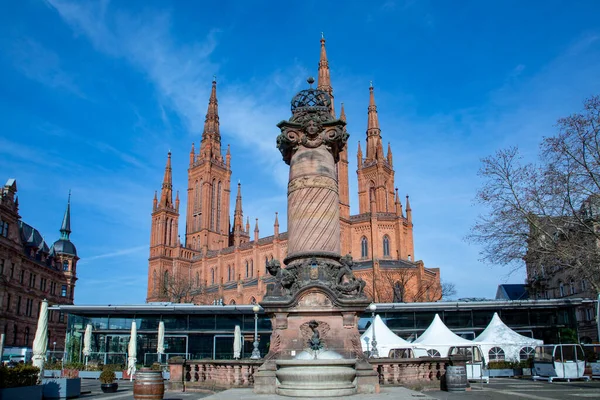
239,234
375,172
165,216
65,252
209,175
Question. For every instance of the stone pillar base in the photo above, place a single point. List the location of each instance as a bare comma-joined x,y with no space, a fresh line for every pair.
265,381
367,380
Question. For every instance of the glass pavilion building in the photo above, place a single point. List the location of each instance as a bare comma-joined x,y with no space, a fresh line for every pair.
200,332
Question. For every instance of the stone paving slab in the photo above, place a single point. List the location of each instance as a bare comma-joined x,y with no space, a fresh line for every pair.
387,393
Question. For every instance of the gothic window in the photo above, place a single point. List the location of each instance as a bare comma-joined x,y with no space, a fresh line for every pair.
364,247
212,276
252,300
496,354
197,279
26,336
154,281
266,262
232,302
247,269
561,289
251,268
196,195
213,204
165,282
572,286
65,265
386,246
219,195
193,243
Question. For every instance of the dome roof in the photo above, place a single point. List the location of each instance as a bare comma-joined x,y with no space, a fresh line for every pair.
311,100
65,247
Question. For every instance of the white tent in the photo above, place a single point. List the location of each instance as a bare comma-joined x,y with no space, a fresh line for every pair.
499,336
438,337
386,339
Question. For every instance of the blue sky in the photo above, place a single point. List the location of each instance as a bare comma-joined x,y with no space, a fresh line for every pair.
94,94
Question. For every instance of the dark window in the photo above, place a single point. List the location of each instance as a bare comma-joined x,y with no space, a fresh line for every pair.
61,316
19,305
63,291
386,246
1,266
12,270
3,228
364,247
65,265
8,302
15,331
247,269
26,336
22,276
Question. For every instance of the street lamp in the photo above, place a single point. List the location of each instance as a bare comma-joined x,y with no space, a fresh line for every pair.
255,353
374,352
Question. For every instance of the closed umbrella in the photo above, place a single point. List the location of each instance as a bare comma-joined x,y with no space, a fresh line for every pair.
237,342
132,351
160,348
40,342
87,342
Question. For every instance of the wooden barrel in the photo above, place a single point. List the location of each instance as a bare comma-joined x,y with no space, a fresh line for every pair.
148,385
456,378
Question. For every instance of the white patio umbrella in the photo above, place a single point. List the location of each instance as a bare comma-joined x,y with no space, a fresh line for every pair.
40,342
87,342
132,351
237,342
160,348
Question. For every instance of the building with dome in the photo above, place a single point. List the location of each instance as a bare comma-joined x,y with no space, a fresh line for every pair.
32,270
222,262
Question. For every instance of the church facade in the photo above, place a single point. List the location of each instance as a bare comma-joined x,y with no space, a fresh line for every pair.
220,262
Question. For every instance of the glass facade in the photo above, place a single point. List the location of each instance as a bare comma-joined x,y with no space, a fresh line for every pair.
194,334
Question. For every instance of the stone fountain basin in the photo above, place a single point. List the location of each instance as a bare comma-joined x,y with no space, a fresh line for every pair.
316,378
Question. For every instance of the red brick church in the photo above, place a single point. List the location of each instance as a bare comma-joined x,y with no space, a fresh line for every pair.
220,262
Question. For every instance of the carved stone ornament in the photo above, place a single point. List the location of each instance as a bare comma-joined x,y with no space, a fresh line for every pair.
312,182
335,275
311,133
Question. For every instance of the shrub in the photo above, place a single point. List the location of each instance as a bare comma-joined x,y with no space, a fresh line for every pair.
75,365
155,367
20,375
502,365
107,376
114,367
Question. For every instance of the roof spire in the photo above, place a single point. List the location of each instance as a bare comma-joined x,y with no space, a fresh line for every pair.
359,156
390,159
248,225
166,192
324,80
211,137
256,231
276,226
343,113
65,228
408,210
374,147
238,215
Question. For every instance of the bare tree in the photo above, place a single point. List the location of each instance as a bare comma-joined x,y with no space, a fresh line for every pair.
546,213
180,289
402,285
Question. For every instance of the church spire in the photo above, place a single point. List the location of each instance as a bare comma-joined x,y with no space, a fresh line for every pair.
408,210
238,215
324,79
374,147
343,114
359,156
211,137
276,226
390,159
166,192
65,228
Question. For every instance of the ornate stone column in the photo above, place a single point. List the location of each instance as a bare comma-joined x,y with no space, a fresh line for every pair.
310,142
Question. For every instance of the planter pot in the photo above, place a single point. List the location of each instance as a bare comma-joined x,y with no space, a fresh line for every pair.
109,387
526,371
22,393
90,374
52,373
501,373
61,388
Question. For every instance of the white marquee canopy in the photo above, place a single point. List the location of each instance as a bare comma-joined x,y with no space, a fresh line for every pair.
438,337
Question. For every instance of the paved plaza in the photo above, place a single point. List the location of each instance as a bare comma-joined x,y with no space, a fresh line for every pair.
497,389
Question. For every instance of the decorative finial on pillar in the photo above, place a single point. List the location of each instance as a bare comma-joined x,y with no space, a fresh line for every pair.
310,81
